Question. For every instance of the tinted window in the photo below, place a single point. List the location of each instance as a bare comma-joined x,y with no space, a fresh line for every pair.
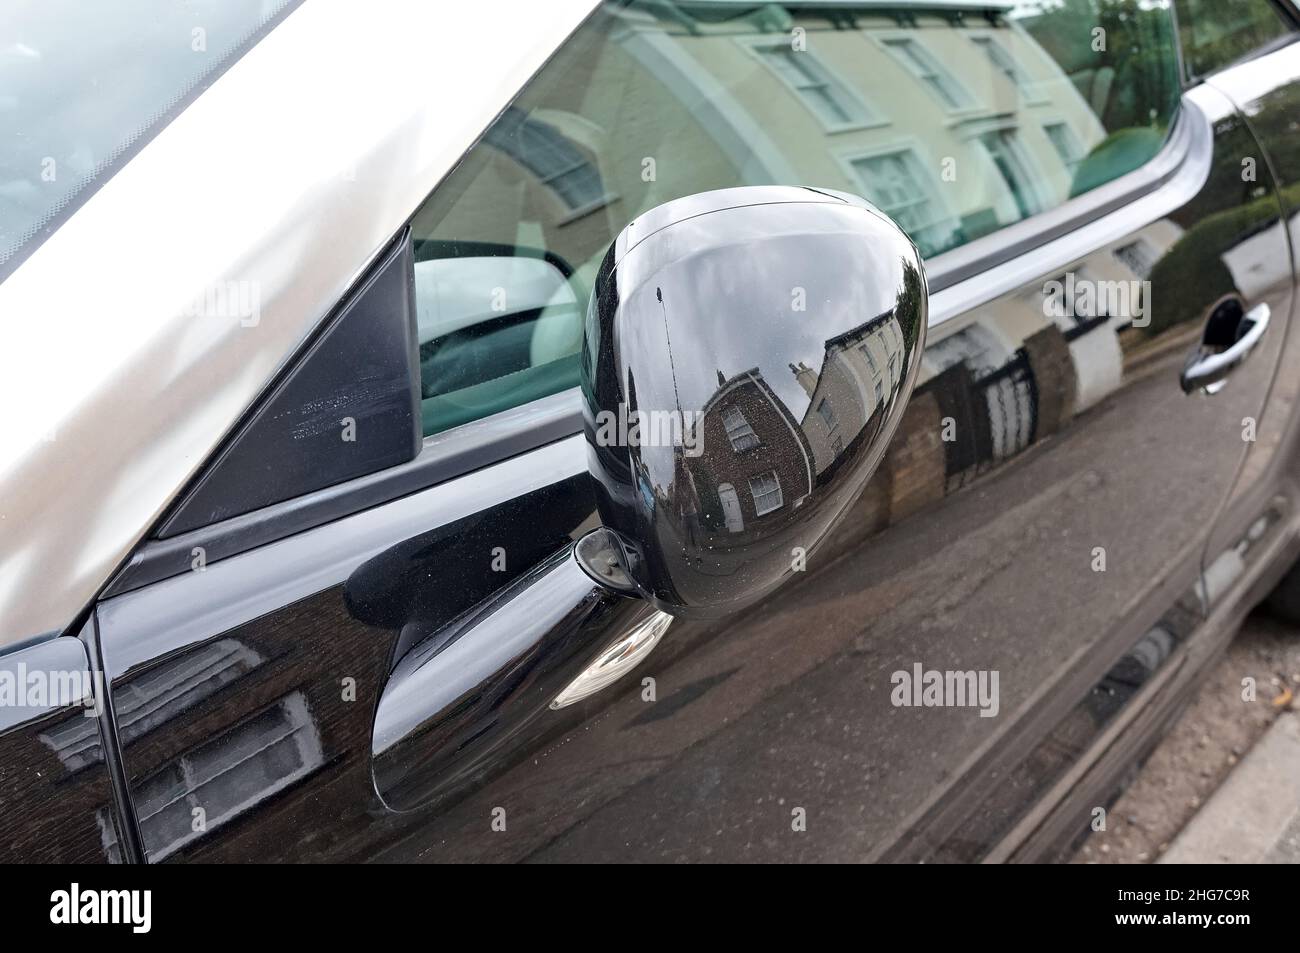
82,84
954,124
1215,33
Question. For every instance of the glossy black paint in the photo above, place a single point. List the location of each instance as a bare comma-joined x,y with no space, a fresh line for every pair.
55,788
362,602
702,309
460,706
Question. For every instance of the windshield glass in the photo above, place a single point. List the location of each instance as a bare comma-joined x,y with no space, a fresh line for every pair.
85,85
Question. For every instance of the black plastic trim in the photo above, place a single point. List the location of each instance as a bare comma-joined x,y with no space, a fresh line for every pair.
447,455
128,825
361,369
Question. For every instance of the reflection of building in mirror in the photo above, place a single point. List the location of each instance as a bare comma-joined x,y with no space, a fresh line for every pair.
860,371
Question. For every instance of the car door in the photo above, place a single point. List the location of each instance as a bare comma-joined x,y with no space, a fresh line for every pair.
1015,585
1246,53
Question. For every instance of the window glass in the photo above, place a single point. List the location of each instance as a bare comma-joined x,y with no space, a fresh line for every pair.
1216,33
953,123
766,490
739,432
82,84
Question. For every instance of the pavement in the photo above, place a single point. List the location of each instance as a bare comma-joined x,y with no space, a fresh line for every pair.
1223,786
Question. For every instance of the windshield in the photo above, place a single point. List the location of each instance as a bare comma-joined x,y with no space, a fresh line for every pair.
85,85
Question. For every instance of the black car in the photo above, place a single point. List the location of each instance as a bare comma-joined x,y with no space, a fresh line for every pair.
646,430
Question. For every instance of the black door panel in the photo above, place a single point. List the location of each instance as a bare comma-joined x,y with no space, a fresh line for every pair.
1266,92
275,714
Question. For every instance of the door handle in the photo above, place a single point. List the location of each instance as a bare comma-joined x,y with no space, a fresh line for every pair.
478,693
1230,337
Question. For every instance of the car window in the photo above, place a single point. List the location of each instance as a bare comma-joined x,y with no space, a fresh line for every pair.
956,124
83,85
1217,33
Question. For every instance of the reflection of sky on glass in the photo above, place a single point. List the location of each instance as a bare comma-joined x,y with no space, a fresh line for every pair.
732,305
79,80
727,280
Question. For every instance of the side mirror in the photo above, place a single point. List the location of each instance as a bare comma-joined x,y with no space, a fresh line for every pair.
747,357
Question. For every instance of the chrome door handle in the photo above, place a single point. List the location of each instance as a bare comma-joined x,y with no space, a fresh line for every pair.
1209,369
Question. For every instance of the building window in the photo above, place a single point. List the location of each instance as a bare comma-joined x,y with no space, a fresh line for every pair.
897,183
829,100
893,368
926,68
1138,256
155,698
828,413
739,432
1066,145
880,394
228,774
766,490
871,361
1004,149
545,152
1003,61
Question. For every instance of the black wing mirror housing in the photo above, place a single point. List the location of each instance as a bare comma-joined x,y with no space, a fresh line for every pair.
747,356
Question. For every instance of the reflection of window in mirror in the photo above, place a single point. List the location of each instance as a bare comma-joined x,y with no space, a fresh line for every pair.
739,432
828,413
766,490
871,361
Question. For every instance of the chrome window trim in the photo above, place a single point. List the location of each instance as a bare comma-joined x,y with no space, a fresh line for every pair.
289,180
1247,80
